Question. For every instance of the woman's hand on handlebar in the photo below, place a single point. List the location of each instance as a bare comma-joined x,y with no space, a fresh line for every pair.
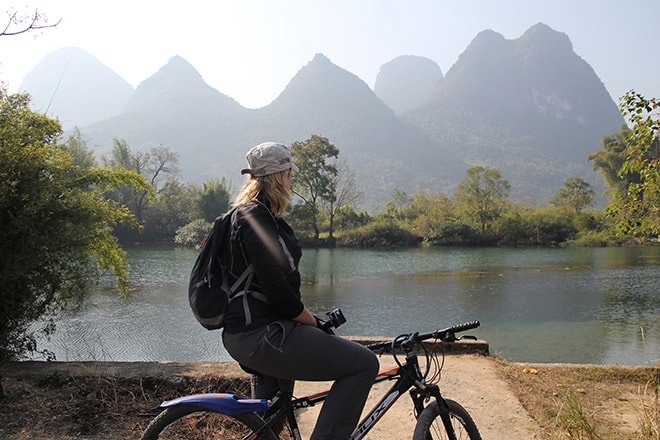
335,319
306,317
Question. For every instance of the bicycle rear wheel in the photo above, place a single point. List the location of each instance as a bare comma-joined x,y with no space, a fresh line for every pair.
429,424
192,422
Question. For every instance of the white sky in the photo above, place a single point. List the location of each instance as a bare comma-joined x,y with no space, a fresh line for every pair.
251,49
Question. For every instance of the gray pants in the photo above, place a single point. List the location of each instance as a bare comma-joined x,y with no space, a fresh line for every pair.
287,350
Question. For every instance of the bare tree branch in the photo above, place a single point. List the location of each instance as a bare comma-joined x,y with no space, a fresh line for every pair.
26,24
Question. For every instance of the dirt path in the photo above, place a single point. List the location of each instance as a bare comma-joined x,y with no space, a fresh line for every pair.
471,380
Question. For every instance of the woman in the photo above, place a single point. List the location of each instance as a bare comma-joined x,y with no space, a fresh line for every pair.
280,337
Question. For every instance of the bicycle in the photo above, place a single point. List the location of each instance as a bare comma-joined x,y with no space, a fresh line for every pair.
231,416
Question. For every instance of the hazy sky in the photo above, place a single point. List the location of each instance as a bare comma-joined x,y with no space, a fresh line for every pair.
251,49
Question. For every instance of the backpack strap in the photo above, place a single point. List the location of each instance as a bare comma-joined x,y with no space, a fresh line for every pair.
286,251
247,274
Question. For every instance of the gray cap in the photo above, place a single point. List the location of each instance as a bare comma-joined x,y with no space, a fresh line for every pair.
268,158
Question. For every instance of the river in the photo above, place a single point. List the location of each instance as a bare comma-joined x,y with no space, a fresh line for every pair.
573,305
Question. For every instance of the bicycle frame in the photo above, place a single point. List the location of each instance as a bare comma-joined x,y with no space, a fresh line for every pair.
403,384
407,376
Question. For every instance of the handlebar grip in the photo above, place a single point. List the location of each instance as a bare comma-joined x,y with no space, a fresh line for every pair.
449,334
379,346
462,327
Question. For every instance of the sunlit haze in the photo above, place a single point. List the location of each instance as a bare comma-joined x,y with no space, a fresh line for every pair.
250,50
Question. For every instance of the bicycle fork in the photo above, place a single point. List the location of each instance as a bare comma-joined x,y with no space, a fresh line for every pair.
420,396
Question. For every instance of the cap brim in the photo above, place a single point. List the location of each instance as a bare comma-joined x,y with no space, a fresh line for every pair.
266,171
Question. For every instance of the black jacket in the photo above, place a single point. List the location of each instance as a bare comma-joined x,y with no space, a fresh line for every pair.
255,238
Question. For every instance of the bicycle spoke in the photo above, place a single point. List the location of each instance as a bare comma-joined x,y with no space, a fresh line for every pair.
437,430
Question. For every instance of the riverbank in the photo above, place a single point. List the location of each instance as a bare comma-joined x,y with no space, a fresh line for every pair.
113,400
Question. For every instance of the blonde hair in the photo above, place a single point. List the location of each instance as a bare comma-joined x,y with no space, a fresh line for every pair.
272,186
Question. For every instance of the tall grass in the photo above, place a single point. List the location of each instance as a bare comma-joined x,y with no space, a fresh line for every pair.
649,408
577,418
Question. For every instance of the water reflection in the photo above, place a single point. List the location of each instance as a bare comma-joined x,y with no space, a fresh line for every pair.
537,305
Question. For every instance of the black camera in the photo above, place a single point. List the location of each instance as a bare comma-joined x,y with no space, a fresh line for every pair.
336,318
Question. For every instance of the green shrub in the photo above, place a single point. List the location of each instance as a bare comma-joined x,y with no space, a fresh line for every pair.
538,228
378,234
453,234
597,238
193,233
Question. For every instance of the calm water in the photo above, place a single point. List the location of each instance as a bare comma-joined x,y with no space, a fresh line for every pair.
579,305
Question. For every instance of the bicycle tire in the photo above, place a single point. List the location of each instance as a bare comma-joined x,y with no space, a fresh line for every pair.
193,422
429,424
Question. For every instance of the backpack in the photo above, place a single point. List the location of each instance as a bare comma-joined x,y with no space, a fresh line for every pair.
209,293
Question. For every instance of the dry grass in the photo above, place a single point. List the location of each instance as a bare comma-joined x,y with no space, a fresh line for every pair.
57,407
589,402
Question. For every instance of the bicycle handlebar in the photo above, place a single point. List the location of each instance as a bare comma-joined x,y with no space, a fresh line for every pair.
446,335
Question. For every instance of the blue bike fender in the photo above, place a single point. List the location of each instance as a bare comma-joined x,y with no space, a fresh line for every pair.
229,404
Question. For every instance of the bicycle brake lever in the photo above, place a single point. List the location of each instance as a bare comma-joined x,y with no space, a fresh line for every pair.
327,327
408,344
448,337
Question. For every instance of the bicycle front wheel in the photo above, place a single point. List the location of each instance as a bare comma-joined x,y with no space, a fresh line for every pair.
429,424
192,422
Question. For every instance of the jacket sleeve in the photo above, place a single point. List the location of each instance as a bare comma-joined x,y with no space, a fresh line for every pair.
259,238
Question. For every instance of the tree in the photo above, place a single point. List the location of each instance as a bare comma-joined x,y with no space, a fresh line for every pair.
346,194
575,193
213,199
76,145
396,208
637,210
20,24
172,209
56,237
483,191
207,203
348,219
159,166
315,182
609,160
432,215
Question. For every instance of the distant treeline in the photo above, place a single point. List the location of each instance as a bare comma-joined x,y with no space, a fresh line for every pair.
478,214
